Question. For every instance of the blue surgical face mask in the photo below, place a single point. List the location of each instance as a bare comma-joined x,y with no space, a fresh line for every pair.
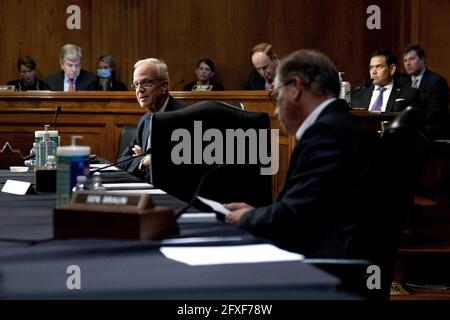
104,73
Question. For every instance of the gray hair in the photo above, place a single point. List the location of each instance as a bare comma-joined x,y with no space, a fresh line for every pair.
315,70
160,64
70,52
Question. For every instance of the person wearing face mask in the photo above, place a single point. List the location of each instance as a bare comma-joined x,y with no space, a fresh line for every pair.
205,77
106,80
27,76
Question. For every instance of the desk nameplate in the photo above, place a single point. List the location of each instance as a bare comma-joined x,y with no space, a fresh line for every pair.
107,216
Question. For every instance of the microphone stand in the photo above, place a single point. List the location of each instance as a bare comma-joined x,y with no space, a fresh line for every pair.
57,111
149,151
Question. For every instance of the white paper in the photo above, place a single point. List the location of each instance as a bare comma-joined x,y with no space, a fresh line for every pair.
198,240
16,187
95,166
197,256
138,191
216,206
127,186
199,215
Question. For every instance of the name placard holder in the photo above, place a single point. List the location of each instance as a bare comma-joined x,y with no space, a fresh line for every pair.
20,188
202,87
10,157
104,215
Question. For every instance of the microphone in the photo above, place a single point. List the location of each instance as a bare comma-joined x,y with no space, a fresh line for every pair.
366,85
57,112
197,190
149,151
178,83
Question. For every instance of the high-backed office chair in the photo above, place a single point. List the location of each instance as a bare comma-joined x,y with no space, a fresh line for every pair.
230,182
127,133
398,161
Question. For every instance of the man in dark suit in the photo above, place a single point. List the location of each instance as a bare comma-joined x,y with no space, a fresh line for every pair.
71,78
316,211
385,94
433,89
151,82
265,61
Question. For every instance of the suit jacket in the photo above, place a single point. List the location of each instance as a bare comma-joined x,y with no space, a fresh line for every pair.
254,81
141,139
434,94
316,211
361,98
85,81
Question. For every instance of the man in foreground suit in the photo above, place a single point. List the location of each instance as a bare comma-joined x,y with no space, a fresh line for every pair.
151,82
433,89
71,78
385,95
323,196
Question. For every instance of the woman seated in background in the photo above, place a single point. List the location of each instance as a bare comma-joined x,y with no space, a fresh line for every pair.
27,76
106,80
205,78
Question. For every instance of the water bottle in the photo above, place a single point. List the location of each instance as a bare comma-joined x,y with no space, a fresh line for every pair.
39,136
33,152
73,161
346,89
96,183
81,184
46,148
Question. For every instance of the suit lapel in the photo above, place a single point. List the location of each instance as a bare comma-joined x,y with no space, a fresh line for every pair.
146,132
424,80
395,93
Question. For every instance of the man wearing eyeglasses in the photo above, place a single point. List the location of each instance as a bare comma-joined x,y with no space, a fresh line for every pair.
316,210
151,83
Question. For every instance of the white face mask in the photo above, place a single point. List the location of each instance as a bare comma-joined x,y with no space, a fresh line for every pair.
104,73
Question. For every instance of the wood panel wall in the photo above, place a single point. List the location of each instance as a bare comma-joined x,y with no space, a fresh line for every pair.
181,32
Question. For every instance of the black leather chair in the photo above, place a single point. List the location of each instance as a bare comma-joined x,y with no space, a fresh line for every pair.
229,182
126,134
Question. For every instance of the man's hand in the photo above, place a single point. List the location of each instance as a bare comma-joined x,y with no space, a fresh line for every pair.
238,209
146,161
137,150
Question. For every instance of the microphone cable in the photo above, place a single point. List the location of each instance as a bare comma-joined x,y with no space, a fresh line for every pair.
149,151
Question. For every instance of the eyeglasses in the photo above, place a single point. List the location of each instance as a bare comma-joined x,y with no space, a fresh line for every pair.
148,83
273,94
